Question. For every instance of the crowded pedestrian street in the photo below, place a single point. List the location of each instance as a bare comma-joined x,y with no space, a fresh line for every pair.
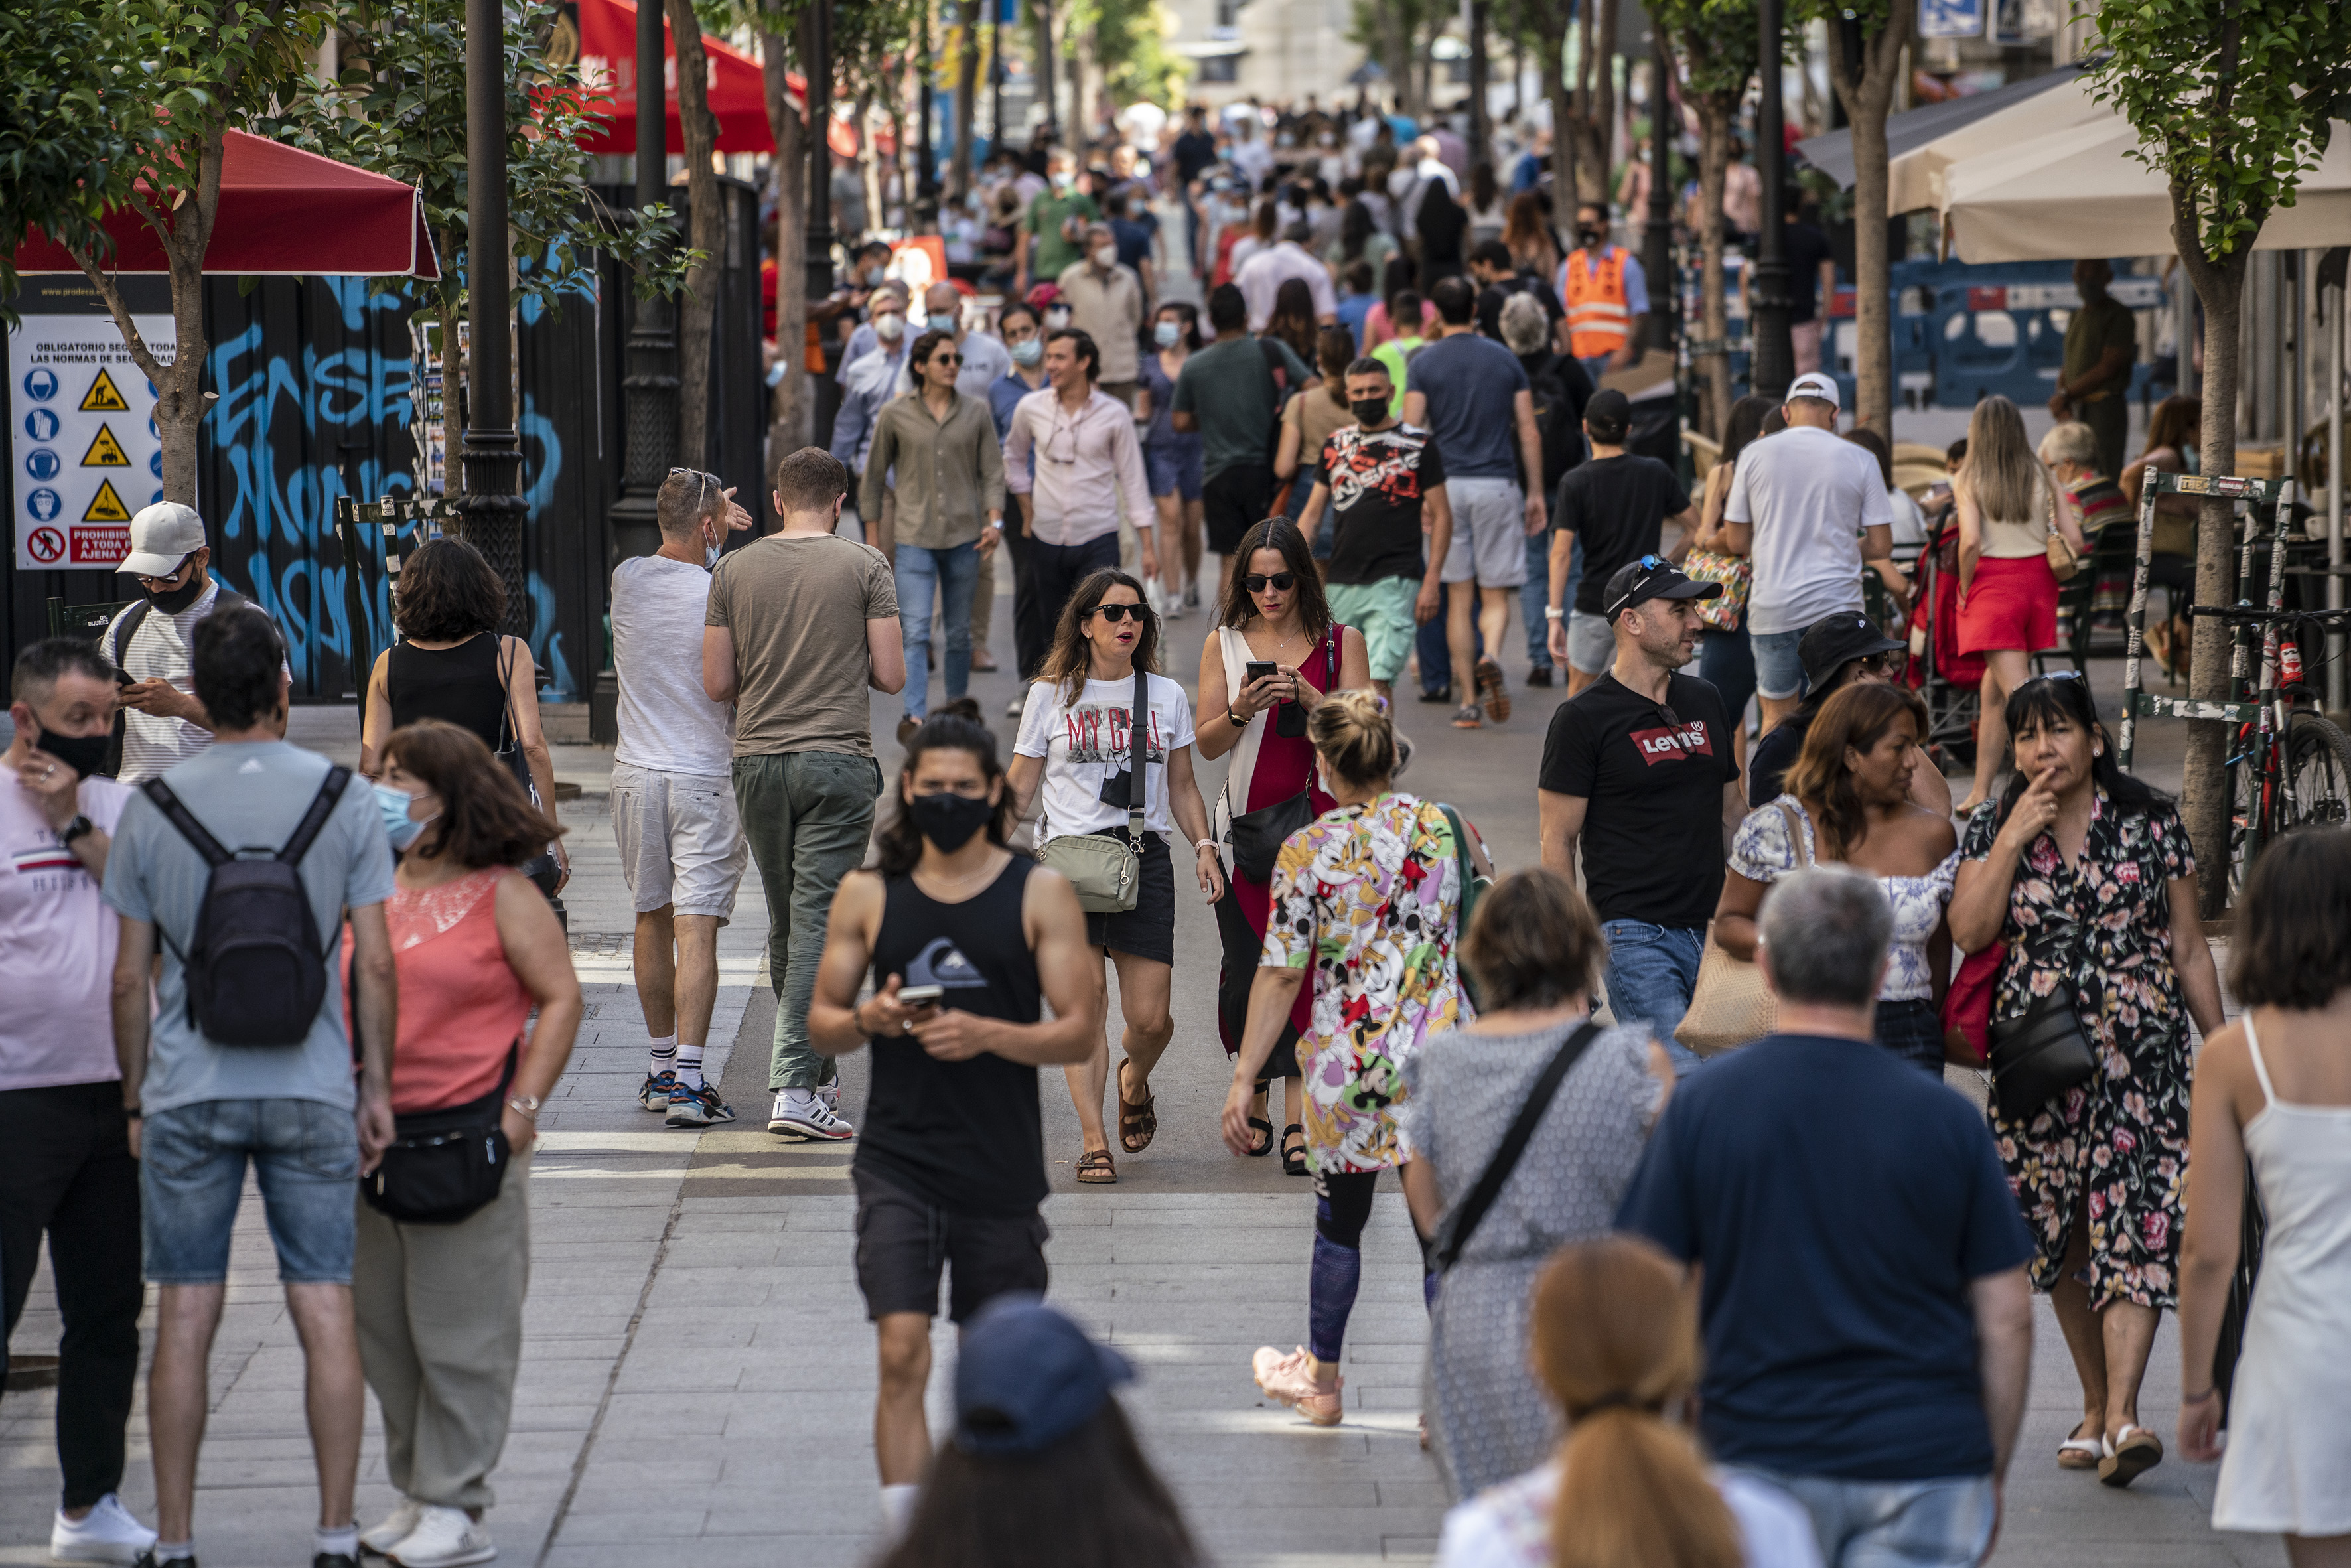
697,1378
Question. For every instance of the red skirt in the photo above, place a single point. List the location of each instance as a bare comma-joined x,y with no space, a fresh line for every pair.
2012,603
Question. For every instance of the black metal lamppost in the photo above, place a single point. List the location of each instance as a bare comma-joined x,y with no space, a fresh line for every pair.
1772,359
490,505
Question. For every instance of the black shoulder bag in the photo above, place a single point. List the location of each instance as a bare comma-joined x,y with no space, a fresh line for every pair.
1445,1249
1257,836
2037,1057
443,1165
541,869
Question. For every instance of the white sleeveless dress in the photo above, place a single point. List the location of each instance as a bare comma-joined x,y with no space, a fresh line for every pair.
2287,1467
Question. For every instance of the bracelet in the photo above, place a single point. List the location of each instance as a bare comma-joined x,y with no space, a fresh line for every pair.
1209,844
1553,612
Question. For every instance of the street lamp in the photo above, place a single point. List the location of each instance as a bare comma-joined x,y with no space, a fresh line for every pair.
815,58
1657,241
1772,356
490,454
649,391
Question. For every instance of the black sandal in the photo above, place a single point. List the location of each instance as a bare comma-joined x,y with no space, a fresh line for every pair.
1293,1161
1263,1146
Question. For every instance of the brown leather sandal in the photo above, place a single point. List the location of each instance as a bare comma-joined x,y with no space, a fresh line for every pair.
1096,1168
1137,1124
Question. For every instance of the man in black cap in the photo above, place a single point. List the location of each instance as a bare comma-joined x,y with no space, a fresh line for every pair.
1638,772
1616,504
1838,651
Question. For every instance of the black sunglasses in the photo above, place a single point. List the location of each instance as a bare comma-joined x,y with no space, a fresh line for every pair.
1256,582
1117,612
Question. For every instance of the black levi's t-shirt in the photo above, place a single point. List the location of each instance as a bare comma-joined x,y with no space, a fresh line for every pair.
1616,507
1378,480
1653,828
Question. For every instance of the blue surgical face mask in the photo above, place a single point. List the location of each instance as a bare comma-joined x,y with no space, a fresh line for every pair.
1029,353
398,825
1169,334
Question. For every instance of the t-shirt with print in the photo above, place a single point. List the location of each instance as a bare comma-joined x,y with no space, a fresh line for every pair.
796,605
1652,836
56,943
1615,507
161,648
1089,742
250,793
666,722
1808,494
1379,480
1472,385
1841,1204
1227,388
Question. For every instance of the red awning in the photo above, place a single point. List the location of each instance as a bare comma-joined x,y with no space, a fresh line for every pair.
283,212
738,88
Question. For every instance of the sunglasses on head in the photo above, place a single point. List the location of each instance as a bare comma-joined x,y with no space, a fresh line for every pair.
1117,612
702,483
1258,582
1649,564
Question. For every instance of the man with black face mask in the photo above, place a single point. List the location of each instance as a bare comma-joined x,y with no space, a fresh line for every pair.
162,722
962,938
1607,296
65,1153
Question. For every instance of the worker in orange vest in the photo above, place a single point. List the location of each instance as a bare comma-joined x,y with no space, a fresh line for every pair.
1607,295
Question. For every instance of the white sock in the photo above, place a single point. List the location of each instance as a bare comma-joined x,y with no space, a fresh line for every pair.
168,1551
898,1510
344,1539
663,1056
689,1066
799,1099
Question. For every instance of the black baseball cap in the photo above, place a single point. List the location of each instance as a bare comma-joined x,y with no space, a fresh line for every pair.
1609,409
1827,646
1651,577
1027,1377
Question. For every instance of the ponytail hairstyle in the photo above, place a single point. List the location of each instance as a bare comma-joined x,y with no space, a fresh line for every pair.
1355,737
1615,1339
1334,350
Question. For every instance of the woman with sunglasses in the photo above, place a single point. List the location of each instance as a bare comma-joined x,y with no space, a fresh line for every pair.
1077,749
1273,612
1848,800
2086,875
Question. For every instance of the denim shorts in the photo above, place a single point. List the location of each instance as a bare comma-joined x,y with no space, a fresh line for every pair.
1941,1523
1779,672
1174,470
306,1157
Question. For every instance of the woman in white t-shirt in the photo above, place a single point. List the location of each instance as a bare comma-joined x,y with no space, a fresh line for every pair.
1077,744
1615,1342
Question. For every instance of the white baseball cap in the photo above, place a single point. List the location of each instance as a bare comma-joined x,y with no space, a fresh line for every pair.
162,537
1812,383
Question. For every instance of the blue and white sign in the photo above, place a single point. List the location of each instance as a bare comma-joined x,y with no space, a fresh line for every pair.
44,505
42,462
89,431
1951,18
41,385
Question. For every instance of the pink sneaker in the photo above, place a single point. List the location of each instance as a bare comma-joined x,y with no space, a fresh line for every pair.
1290,1380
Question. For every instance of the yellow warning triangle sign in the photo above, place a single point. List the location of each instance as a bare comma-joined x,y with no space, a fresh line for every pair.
104,452
106,506
102,398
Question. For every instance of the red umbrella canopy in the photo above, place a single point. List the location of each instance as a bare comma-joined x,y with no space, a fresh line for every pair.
737,88
282,212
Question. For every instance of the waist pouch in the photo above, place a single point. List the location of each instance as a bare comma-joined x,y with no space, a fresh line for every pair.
443,1165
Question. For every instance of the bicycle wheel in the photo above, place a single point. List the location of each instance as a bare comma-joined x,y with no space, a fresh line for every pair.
2318,762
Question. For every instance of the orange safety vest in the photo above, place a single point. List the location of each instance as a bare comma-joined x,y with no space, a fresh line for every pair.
1597,319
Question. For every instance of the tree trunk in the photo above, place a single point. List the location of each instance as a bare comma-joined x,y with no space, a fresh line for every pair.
965,104
707,229
869,164
1604,112
1395,57
788,410
1866,103
1553,23
1078,133
2204,801
1580,123
1714,111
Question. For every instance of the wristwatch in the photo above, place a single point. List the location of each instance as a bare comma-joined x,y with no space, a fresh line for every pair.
1553,612
525,1106
1204,844
76,828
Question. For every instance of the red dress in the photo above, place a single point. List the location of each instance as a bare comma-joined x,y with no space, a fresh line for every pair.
1285,765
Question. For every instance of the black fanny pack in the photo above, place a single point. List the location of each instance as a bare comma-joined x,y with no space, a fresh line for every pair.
443,1165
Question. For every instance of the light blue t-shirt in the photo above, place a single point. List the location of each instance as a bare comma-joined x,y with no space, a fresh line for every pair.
247,794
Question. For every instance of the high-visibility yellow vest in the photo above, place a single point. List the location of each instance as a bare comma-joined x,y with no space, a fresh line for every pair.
1597,319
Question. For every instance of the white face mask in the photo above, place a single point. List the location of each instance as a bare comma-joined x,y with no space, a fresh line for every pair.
1106,256
890,327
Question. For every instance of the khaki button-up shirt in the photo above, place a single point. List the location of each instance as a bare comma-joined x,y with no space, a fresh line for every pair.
1107,307
948,474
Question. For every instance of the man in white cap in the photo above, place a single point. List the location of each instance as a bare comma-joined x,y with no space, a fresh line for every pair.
162,722
1809,508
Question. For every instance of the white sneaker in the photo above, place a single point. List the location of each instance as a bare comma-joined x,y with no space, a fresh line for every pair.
1018,705
831,1094
803,1120
106,1533
444,1538
397,1526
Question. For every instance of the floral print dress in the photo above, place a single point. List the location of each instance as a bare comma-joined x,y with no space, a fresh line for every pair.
2116,1147
1369,897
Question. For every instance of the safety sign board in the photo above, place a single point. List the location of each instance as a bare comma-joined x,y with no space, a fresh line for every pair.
84,446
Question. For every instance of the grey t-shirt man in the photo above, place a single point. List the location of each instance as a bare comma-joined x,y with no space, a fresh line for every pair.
247,794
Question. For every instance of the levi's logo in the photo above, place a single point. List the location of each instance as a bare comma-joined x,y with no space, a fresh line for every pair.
1663,744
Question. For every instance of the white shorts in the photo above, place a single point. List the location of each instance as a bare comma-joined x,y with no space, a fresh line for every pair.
1490,533
681,841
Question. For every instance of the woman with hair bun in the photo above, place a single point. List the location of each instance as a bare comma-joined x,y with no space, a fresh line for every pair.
1615,1342
1369,894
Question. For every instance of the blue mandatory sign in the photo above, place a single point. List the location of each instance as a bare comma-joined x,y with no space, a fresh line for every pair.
40,384
155,463
41,424
43,463
44,505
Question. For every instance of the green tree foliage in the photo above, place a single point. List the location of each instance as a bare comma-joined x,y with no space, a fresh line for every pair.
2232,101
57,141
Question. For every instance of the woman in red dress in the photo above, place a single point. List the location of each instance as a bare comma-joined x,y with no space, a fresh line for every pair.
1273,612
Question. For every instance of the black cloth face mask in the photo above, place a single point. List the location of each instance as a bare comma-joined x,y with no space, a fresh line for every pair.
85,754
172,600
1371,410
949,820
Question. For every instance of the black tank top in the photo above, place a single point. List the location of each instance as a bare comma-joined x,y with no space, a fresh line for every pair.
459,684
960,1135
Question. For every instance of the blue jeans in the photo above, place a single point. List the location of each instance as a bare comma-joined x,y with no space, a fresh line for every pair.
1535,597
1652,969
306,1157
1941,1523
1726,660
1779,670
924,574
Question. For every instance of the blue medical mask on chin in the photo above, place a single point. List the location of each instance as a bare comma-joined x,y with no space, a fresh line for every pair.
1029,353
398,826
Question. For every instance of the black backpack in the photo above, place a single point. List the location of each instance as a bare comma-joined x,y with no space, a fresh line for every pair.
255,972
